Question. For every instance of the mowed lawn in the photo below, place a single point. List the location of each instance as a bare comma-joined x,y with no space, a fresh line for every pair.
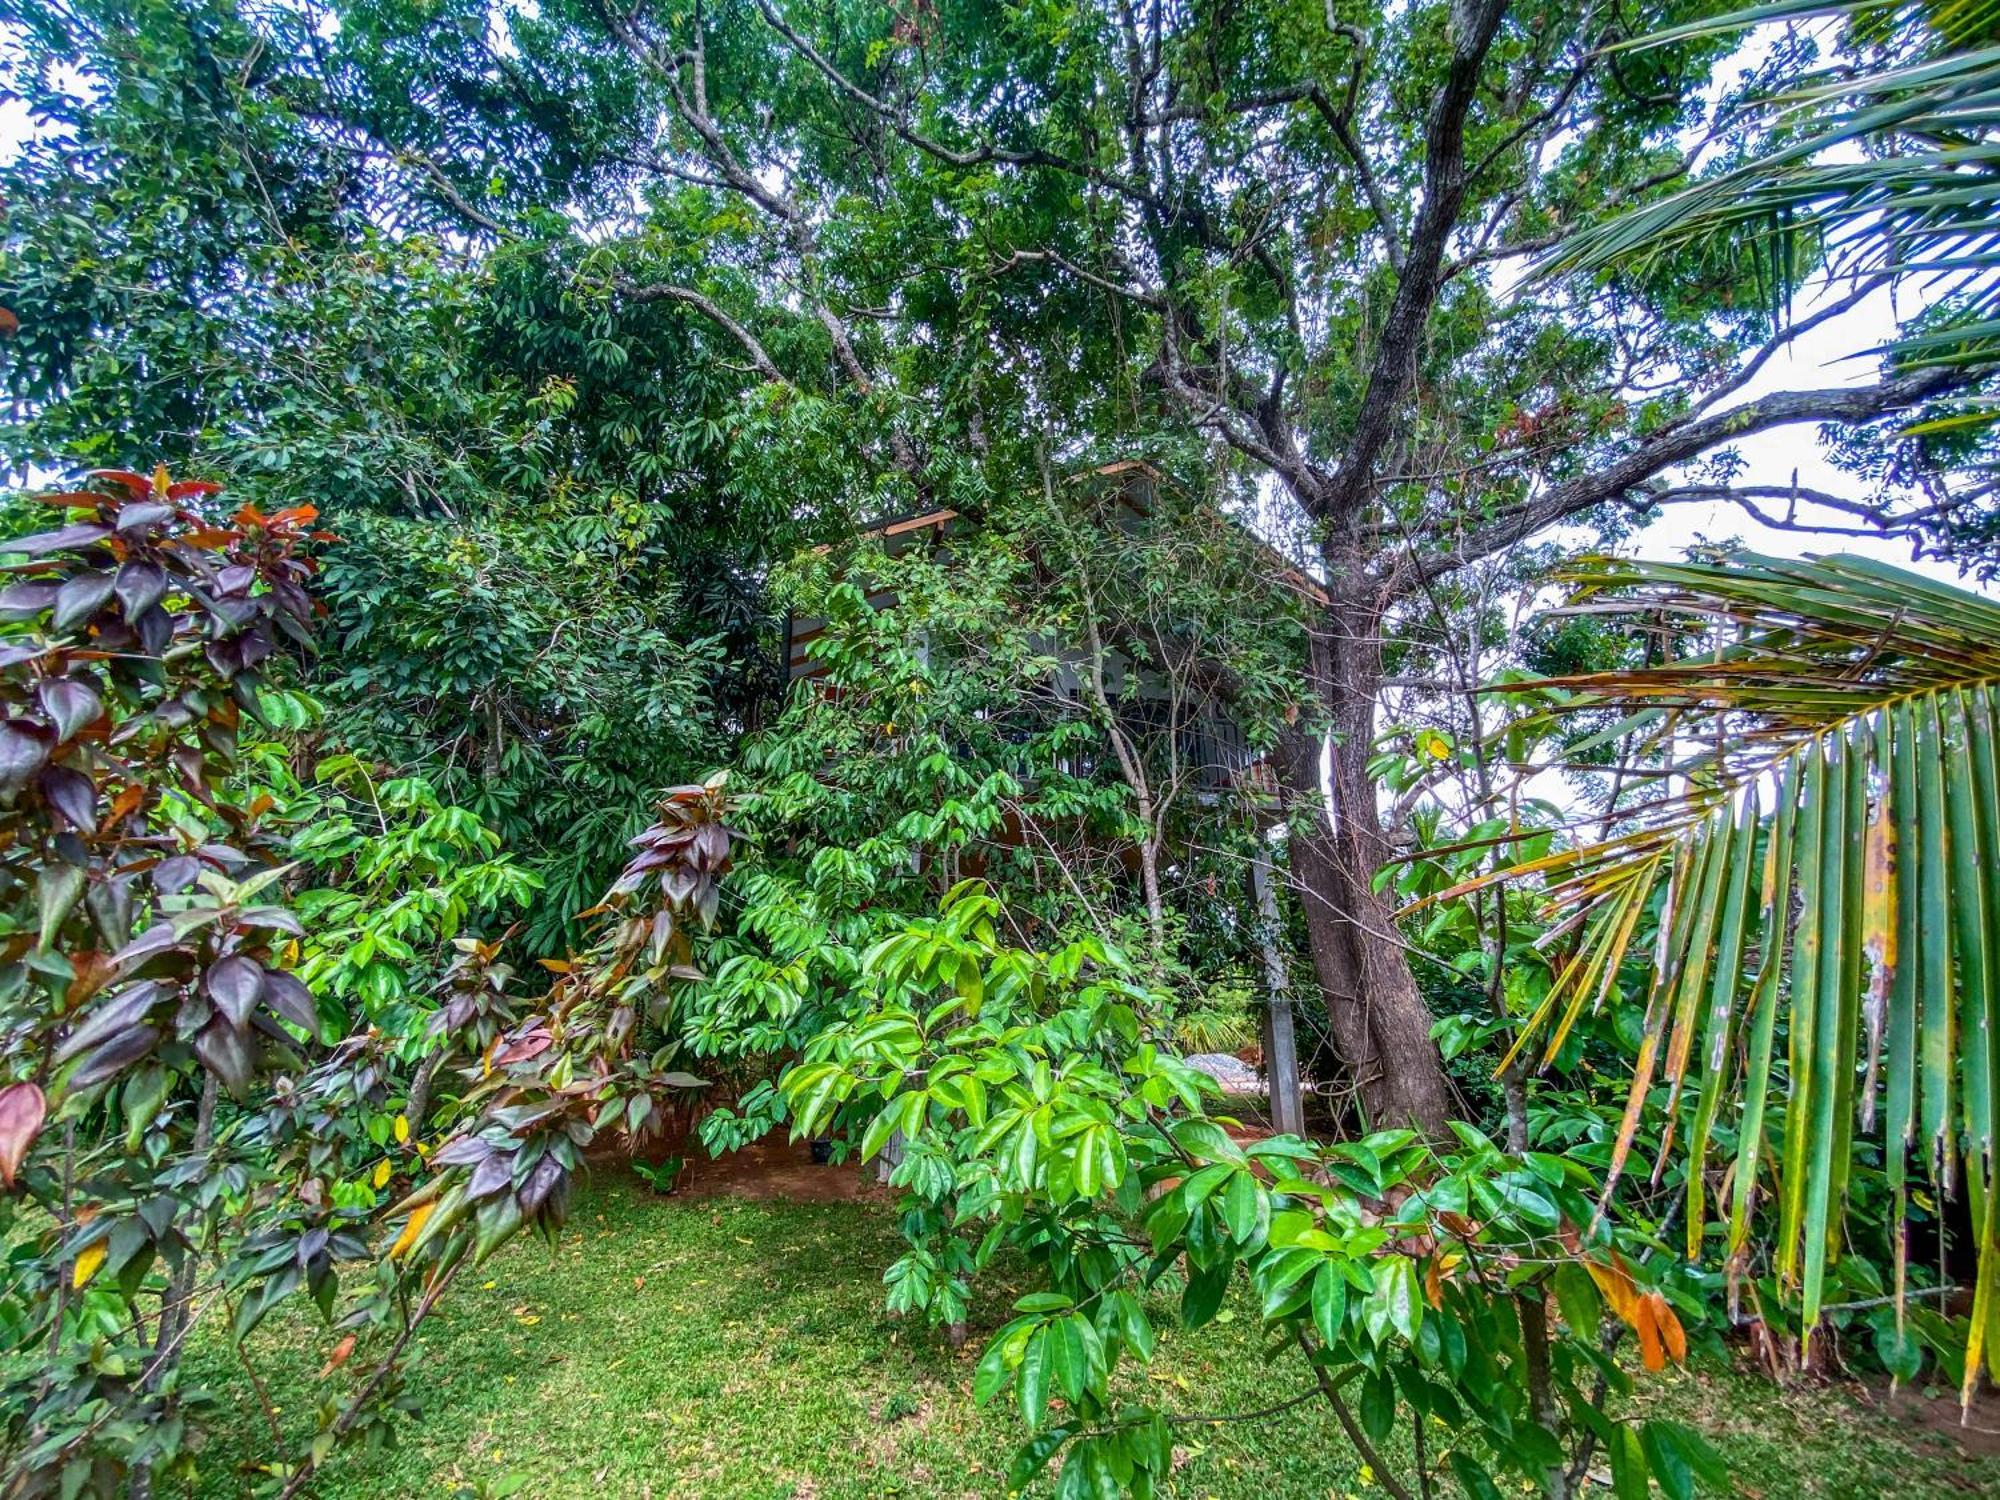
679,1348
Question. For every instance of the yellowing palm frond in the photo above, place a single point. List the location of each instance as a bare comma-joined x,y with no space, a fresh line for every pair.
1829,855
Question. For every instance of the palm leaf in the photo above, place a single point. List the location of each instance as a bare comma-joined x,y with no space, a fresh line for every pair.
1920,206
1836,813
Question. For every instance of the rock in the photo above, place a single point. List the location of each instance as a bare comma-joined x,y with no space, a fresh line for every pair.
1235,1075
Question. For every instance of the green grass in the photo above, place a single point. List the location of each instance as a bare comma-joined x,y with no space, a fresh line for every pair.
735,1350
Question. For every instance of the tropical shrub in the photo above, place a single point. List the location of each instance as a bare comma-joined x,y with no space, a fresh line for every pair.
1815,894
145,984
1477,1294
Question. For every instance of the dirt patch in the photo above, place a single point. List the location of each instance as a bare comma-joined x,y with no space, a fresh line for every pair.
779,1169
1978,1434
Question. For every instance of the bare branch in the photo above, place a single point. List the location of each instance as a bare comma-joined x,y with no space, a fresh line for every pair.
1677,445
1050,257
1474,25
708,308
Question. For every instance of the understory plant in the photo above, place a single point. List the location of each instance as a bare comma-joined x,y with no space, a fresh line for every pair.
180,1141
1475,1296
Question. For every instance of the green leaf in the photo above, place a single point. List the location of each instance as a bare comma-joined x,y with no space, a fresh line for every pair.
1329,1304
1377,1405
1472,1477
1206,1287
1628,1466
1032,1389
1246,1209
1577,1297
1663,1457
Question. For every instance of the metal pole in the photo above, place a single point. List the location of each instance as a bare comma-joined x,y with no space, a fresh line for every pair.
1281,1049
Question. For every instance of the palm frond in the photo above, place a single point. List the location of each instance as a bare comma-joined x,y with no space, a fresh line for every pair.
1920,205
1829,856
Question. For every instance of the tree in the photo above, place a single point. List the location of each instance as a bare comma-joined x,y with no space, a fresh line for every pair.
1453,1282
910,256
547,596
1156,222
1820,869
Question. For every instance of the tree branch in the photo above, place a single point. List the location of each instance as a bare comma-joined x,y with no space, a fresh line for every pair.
707,308
1677,445
1474,23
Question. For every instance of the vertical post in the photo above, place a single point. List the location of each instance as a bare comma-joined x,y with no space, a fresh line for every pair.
1281,1049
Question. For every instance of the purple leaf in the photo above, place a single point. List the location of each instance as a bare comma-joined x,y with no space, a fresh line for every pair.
155,940
287,995
465,1151
544,1180
79,599
235,984
115,1055
23,749
156,630
79,535
110,1016
134,517
140,586
175,874
23,601
227,1052
491,1175
73,705
70,793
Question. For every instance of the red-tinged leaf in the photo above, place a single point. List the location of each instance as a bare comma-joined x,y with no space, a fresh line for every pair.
139,484
24,747
532,1045
72,705
1673,1338
236,984
83,534
1652,1351
295,515
93,970
189,489
23,1108
125,804
339,1357
70,793
10,322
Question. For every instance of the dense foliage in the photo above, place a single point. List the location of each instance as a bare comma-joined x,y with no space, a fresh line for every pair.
1076,467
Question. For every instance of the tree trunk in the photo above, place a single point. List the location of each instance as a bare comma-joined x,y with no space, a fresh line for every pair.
1149,882
1381,1026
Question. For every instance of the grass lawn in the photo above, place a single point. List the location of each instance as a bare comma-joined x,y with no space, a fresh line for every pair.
675,1349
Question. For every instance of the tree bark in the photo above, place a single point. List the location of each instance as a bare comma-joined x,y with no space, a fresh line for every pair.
1380,1024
